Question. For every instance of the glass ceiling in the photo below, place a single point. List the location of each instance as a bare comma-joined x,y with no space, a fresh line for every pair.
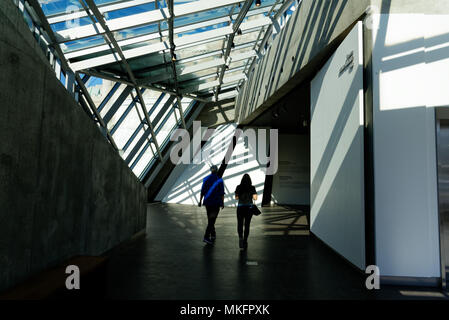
177,55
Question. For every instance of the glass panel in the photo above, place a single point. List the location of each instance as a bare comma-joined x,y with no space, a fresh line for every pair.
185,103
53,7
166,128
202,29
142,65
71,23
129,11
126,130
202,16
143,161
111,100
246,49
161,4
82,44
199,49
234,72
28,20
264,8
198,61
229,85
123,107
176,2
147,168
151,102
197,81
247,37
198,74
104,2
128,134
98,89
160,123
237,64
63,78
137,31
264,4
189,108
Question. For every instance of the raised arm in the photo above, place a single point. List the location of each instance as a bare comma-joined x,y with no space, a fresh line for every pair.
201,194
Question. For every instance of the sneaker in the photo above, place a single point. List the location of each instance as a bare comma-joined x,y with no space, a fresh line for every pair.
241,243
207,240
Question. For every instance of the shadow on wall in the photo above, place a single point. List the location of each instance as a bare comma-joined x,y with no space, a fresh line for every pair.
337,170
410,63
410,71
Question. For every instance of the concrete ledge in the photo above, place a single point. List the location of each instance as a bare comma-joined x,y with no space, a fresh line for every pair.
51,283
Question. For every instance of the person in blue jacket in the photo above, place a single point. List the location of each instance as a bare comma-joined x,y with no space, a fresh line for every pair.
213,193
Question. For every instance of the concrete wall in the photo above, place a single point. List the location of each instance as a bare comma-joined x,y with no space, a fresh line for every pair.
291,184
64,191
337,213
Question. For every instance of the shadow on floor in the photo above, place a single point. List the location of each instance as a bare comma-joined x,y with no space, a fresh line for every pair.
282,261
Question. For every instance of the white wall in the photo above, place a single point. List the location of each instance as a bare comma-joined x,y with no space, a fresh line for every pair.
184,183
291,184
410,74
337,161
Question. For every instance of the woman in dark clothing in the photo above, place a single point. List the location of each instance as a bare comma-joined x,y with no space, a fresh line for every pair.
245,193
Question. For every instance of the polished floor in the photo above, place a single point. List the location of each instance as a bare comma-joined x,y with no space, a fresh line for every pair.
283,261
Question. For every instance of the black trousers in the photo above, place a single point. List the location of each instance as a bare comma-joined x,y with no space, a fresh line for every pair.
212,213
243,219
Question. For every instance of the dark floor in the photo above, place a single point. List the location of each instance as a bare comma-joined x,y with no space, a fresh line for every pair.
282,261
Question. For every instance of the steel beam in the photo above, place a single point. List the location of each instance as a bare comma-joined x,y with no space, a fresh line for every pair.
103,9
235,28
145,18
158,34
173,59
165,45
129,83
110,38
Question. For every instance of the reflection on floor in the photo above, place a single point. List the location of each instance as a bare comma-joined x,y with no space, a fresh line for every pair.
282,261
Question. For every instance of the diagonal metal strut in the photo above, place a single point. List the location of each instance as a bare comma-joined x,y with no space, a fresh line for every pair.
235,28
110,38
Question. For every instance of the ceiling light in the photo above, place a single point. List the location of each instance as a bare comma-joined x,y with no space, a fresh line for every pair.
258,3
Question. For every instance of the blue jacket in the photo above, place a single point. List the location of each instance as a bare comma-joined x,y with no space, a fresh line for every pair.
213,190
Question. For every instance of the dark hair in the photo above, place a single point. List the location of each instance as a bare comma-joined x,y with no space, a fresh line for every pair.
246,182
